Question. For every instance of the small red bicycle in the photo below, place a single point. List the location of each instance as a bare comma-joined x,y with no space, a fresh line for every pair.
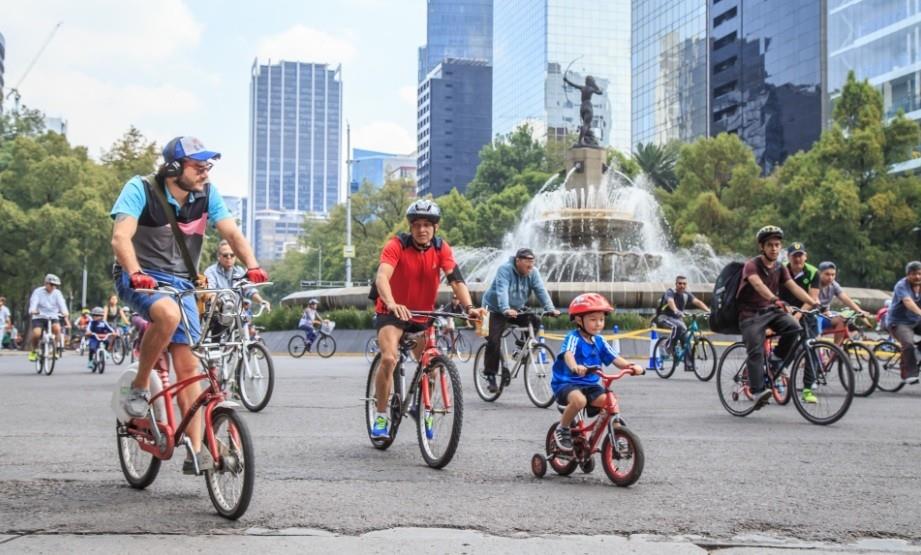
621,450
143,443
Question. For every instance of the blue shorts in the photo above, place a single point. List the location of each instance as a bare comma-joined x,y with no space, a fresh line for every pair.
591,393
141,302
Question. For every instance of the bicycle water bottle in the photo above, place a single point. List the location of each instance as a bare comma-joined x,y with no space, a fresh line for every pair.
615,342
542,356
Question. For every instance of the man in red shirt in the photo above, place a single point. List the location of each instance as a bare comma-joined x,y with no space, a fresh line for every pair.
407,280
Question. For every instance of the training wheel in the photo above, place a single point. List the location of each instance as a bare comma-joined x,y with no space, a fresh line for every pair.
539,465
587,466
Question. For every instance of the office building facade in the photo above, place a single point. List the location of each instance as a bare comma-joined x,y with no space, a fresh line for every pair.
670,97
538,42
457,29
453,125
767,74
377,168
295,150
239,207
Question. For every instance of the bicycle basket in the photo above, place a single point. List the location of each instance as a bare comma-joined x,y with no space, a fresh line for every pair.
327,327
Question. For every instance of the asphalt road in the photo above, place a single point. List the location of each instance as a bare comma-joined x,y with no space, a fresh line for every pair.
708,474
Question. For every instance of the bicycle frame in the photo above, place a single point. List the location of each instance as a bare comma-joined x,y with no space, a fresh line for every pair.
429,352
593,431
529,342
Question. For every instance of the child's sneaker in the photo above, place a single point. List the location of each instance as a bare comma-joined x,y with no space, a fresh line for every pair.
563,438
89,364
381,426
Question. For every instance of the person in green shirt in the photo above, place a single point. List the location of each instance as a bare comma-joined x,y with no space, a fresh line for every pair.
804,274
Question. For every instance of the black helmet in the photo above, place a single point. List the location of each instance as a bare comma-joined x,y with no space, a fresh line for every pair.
769,232
912,266
423,209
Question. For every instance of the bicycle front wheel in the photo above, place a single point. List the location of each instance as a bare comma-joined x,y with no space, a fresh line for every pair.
664,363
703,357
326,345
255,377
732,381
889,363
538,371
622,457
51,357
439,424
297,346
824,369
230,483
139,467
479,377
119,350
100,363
866,370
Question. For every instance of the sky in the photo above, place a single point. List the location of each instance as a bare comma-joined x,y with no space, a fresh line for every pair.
175,67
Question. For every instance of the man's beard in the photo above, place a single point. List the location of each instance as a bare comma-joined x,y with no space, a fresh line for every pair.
185,185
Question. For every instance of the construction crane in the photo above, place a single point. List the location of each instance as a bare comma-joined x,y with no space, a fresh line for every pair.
14,91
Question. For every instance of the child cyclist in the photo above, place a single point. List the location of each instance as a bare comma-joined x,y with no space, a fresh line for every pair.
97,325
573,383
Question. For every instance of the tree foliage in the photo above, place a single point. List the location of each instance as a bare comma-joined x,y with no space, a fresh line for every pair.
658,163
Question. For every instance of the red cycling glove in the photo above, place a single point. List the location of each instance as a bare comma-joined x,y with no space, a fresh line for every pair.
257,275
140,280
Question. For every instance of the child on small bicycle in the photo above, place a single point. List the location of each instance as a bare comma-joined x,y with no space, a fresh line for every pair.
309,319
98,325
573,384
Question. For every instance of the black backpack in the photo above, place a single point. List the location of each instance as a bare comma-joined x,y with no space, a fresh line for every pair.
724,308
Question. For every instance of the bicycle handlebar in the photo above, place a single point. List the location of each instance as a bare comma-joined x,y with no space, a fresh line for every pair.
436,314
612,377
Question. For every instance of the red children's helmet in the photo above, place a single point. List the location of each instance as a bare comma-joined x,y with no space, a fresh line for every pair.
589,302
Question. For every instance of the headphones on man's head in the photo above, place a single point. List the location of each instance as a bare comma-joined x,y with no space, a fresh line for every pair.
174,168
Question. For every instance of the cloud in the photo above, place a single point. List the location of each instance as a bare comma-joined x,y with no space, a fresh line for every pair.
384,136
300,43
408,95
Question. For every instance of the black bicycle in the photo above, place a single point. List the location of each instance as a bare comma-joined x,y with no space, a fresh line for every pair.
824,364
888,353
522,349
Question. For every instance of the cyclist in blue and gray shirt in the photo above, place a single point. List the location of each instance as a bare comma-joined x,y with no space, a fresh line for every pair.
508,293
904,318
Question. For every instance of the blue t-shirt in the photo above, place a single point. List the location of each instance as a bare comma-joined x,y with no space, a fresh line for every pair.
132,200
597,353
898,313
99,326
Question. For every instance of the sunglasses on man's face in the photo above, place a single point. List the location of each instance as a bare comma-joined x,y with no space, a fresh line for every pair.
227,255
201,168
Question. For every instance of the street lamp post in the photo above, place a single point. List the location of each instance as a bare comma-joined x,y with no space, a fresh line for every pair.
347,251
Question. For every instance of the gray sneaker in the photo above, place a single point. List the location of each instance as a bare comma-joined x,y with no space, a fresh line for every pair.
205,462
136,402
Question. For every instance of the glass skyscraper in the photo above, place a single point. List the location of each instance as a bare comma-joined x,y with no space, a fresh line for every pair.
670,95
767,74
536,42
456,29
880,40
295,142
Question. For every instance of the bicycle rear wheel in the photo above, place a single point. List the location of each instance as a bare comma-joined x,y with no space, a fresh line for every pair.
297,346
622,458
139,467
396,409
732,381
230,483
462,347
479,377
258,381
326,345
538,371
439,428
663,361
889,363
703,357
371,349
832,385
866,370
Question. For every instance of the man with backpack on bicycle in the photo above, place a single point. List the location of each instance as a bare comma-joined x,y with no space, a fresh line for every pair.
670,311
407,280
514,282
760,307
160,224
904,319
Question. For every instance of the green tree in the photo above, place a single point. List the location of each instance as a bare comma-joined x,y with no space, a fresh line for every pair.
658,163
132,154
505,159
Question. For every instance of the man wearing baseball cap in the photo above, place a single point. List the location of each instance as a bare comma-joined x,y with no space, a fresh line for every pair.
804,274
509,293
147,254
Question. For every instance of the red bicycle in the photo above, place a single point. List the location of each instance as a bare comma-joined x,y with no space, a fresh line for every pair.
621,450
143,443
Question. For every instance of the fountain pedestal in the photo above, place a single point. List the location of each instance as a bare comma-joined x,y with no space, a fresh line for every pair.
592,161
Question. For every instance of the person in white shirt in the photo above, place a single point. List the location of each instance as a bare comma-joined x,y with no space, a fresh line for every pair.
4,320
47,304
